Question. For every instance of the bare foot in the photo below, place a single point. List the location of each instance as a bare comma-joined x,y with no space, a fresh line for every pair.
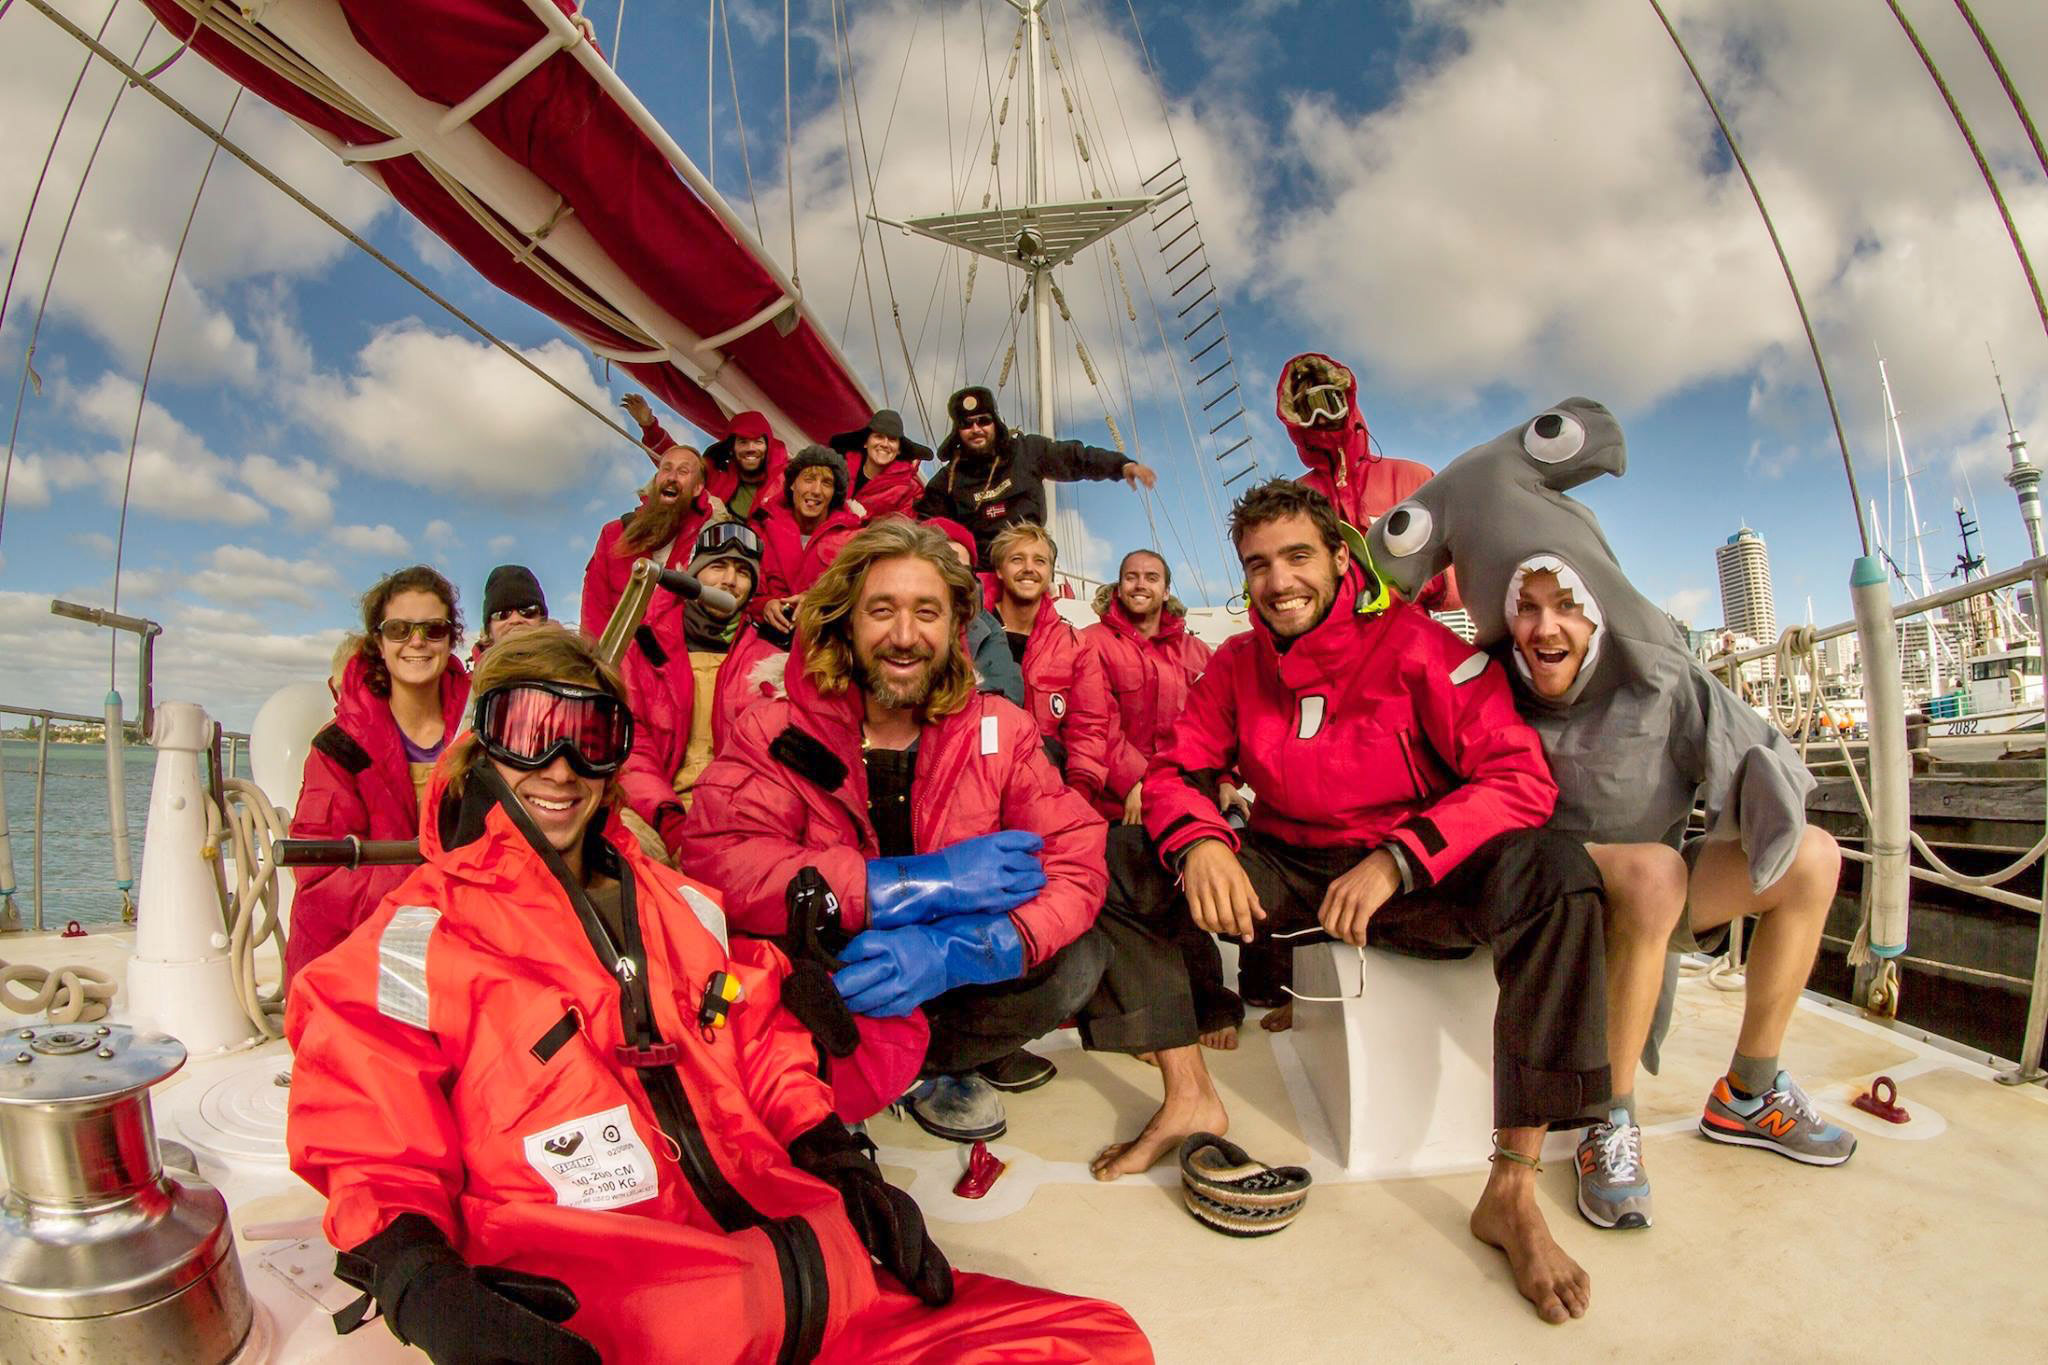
1148,1058
1507,1217
1279,1020
1191,1106
1221,1039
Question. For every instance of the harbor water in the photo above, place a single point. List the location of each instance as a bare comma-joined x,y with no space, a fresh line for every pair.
78,858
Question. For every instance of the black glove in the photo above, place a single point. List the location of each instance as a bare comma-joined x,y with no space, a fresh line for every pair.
888,1221
457,1313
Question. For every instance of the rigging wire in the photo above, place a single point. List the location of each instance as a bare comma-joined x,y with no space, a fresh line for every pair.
28,360
2018,105
788,149
739,117
148,367
1977,152
618,30
842,56
355,239
1827,387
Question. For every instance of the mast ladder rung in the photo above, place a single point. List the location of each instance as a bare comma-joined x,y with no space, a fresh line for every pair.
1196,358
1189,280
1189,335
1223,395
1233,478
1193,252
1226,421
1170,242
1159,224
1213,373
1195,303
1242,442
1161,171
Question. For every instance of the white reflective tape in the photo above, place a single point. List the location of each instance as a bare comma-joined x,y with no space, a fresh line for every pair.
707,912
1310,721
1470,669
988,736
402,965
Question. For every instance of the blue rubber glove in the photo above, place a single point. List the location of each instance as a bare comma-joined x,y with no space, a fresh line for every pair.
890,972
997,871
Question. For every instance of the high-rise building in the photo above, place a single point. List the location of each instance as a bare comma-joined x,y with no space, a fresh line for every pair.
1744,564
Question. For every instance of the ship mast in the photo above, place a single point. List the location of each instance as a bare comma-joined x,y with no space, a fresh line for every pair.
1934,618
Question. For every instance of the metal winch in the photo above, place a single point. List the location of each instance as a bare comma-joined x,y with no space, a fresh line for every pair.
103,1256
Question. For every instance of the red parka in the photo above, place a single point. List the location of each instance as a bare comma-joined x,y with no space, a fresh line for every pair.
1370,730
790,791
752,672
610,568
1343,467
357,782
788,564
1067,694
1148,679
458,1058
721,468
891,493
661,691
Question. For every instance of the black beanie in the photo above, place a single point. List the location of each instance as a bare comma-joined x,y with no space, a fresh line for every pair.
510,586
821,457
971,402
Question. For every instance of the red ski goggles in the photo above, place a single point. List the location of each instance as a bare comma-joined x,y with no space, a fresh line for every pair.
528,725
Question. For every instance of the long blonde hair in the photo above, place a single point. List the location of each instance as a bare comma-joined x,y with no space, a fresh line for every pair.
824,617
548,652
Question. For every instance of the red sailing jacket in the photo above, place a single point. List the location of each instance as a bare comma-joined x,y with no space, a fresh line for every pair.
721,473
1148,678
458,1058
1361,485
606,575
790,791
752,672
891,493
1369,730
1067,694
661,690
357,782
788,562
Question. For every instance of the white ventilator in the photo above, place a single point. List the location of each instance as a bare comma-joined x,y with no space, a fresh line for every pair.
180,980
279,739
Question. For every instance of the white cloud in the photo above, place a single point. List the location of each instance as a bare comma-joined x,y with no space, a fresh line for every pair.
1687,604
119,250
174,472
380,539
452,413
440,534
246,577
1546,205
303,490
28,484
95,542
499,544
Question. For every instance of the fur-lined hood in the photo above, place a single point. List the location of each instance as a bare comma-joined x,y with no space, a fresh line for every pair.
1106,595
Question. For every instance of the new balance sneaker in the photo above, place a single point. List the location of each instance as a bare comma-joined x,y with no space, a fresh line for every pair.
1614,1189
958,1108
1782,1119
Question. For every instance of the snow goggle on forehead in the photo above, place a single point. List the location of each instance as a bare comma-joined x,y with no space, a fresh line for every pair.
722,536
528,725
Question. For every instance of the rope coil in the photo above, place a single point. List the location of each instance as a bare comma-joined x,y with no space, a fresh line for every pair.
68,994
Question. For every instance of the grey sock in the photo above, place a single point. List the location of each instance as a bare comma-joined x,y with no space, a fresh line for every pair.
1752,1075
1624,1102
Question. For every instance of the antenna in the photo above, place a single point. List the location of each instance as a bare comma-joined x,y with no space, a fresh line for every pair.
2023,478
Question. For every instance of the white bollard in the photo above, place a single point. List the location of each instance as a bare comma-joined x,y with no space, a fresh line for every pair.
1890,768
180,981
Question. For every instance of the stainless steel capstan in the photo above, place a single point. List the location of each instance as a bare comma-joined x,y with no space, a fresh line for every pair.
104,1256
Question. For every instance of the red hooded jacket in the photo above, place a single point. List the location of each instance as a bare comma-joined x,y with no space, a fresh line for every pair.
610,569
661,690
1148,677
752,672
721,470
788,562
1342,466
891,493
1067,694
790,791
357,782
458,1058
1369,730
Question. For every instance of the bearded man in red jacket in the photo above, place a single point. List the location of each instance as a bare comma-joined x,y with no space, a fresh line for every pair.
673,508
1399,800
964,875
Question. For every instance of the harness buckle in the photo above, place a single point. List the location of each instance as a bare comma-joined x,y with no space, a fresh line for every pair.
661,1054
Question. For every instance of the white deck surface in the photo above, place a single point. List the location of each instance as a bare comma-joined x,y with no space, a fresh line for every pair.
1925,1246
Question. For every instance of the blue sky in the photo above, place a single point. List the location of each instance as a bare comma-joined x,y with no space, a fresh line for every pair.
1481,207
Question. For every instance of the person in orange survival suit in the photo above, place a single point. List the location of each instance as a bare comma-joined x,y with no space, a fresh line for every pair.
558,1117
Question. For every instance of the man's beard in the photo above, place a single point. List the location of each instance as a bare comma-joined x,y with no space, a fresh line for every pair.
654,523
899,697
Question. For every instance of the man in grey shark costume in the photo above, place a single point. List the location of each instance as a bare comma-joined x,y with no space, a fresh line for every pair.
1635,730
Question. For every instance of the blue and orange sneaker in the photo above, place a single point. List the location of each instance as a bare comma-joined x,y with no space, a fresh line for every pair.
1614,1189
1782,1120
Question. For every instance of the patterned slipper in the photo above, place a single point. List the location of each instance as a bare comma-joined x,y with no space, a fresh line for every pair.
1227,1190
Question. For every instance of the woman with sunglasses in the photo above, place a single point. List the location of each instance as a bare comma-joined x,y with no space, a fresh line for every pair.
558,1115
398,700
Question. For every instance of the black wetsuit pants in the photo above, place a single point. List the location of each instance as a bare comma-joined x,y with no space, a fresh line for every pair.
1530,896
975,1025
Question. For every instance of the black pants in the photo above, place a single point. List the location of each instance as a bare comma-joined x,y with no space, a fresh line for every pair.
1531,896
974,1025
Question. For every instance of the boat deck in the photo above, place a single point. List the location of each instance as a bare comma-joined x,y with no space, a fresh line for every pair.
1925,1244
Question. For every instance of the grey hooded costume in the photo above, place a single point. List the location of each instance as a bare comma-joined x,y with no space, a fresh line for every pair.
1644,730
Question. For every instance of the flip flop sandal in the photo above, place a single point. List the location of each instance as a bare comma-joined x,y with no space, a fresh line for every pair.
1224,1188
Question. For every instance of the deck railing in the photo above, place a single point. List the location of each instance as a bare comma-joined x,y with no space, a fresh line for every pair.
1797,644
117,801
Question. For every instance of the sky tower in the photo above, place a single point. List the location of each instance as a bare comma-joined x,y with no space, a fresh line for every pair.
2023,478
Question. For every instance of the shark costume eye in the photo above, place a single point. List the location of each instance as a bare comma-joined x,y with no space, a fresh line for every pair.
1553,438
1407,529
